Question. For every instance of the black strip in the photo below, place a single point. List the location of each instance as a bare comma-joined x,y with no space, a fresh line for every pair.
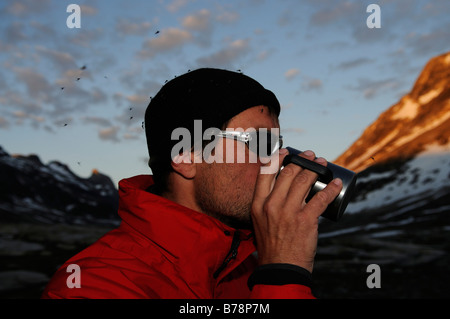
279,274
325,174
231,254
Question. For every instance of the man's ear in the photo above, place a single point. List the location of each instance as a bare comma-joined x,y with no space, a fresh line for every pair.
184,165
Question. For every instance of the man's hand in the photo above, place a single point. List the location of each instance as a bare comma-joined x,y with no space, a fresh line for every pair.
286,227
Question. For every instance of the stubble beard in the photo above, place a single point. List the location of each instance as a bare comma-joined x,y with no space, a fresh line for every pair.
227,201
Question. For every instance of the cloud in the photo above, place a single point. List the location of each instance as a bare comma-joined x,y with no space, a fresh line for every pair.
15,33
37,97
68,78
371,88
87,37
138,99
17,100
200,24
62,122
16,8
21,116
43,31
362,34
4,123
336,11
109,134
130,136
199,21
168,40
286,18
263,55
36,84
312,84
133,133
125,27
88,10
62,60
100,121
291,74
287,106
350,16
95,95
227,56
429,43
26,7
228,17
353,63
133,110
176,5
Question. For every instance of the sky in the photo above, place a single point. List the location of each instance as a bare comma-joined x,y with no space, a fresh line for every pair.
332,74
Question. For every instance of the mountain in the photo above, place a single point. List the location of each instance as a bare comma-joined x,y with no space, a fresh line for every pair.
47,215
420,120
399,217
31,191
404,155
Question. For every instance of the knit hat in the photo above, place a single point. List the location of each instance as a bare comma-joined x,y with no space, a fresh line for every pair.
211,95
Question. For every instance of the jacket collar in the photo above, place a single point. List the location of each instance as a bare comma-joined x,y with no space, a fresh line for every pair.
183,234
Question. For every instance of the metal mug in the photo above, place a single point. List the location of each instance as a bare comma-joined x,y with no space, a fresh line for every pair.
326,174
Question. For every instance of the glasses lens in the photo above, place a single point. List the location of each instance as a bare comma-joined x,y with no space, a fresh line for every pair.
264,144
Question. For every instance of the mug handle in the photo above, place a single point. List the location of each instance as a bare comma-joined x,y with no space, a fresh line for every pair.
325,174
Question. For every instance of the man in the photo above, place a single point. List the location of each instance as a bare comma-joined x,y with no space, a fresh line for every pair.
191,230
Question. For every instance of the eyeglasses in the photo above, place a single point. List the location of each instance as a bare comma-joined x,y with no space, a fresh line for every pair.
261,142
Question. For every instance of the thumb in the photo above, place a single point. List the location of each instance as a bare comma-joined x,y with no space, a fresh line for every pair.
267,175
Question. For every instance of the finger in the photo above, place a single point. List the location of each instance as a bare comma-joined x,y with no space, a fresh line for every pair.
265,183
300,188
320,201
321,161
286,177
294,182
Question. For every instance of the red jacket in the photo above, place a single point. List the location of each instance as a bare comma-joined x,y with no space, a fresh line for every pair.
165,250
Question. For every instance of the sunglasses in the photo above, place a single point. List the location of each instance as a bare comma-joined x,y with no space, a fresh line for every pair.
262,142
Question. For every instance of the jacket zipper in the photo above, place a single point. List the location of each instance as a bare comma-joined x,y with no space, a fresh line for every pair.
231,254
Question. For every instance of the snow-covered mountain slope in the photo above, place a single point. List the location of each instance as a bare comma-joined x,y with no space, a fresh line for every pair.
34,192
399,218
420,119
409,183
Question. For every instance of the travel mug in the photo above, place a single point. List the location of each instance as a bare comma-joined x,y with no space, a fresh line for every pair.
326,174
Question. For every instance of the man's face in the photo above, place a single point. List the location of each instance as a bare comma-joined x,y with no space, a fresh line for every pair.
225,190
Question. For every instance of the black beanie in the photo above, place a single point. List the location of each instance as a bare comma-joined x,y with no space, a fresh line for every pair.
211,95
